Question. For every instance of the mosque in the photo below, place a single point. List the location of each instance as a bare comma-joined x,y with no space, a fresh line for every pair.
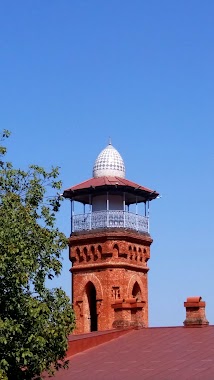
109,248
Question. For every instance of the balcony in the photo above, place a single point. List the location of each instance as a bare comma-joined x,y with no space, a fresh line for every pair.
110,219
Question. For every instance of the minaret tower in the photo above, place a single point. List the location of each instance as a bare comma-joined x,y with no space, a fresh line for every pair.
109,247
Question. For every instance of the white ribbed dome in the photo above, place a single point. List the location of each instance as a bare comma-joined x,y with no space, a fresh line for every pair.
109,163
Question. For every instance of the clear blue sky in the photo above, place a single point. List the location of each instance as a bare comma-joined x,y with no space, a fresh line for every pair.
73,73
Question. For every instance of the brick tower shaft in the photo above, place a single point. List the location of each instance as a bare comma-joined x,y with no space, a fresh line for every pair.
115,263
109,248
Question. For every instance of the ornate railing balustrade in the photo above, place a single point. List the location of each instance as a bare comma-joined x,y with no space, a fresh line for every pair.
109,219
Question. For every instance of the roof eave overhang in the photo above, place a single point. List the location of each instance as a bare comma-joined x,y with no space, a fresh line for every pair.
139,194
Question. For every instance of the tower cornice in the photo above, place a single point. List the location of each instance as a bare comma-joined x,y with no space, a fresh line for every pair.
109,265
101,235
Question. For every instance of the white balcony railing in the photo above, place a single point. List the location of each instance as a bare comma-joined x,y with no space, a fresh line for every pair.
110,219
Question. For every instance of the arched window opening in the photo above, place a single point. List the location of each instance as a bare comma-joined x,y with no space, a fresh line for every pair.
80,258
136,292
135,253
130,252
140,254
92,303
85,254
92,252
115,250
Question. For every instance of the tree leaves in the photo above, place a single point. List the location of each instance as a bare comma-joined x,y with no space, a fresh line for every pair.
34,321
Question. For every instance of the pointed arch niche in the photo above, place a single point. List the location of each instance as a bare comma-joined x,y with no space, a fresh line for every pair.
136,291
135,288
91,296
91,306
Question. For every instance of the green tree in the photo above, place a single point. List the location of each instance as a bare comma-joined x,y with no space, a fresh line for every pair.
34,321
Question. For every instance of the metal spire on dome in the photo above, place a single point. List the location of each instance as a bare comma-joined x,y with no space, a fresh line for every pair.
109,140
109,163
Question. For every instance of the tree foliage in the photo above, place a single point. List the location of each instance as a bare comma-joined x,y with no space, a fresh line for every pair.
34,320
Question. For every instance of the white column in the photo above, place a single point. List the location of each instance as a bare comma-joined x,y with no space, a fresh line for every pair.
136,215
124,209
90,214
71,216
148,216
107,206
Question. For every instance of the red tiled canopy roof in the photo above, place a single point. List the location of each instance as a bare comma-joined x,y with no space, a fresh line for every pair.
165,353
100,185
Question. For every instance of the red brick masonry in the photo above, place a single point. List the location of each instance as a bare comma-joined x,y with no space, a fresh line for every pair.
115,263
195,312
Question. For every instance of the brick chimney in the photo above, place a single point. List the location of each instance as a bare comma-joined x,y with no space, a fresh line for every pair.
195,312
128,313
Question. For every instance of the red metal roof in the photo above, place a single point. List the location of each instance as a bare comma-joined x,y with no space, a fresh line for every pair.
92,186
165,353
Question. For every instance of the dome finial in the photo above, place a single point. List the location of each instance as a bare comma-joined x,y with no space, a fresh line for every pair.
109,140
109,163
